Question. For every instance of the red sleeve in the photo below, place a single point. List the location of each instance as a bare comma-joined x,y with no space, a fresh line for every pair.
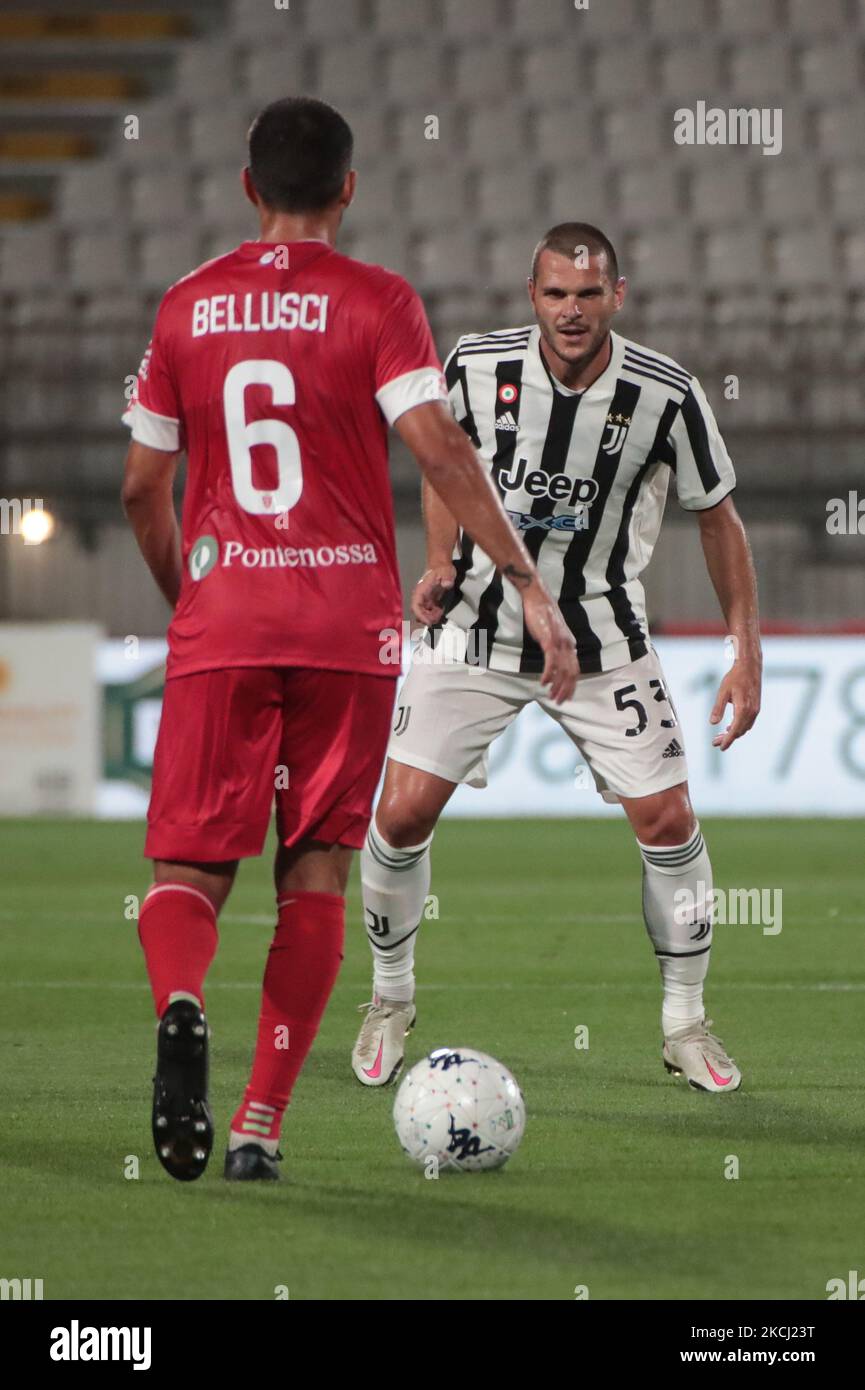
154,414
407,367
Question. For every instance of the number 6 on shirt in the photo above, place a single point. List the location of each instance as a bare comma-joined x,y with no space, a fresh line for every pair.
243,435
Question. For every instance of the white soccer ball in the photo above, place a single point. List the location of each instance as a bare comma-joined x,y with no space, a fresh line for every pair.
459,1109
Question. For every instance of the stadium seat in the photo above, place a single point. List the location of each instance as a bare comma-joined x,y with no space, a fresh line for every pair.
735,257
115,311
98,260
740,21
375,198
496,135
854,258
556,71
506,261
479,19
264,23
514,199
167,255
216,135
30,258
320,22
663,256
370,127
576,196
461,311
623,70
672,19
790,192
344,68
826,17
218,238
221,199
387,246
567,134
614,19
839,131
272,73
448,259
847,183
32,330
157,197
436,196
632,134
831,68
689,72
394,19
414,73
482,73
761,71
205,72
408,128
805,256
720,190
648,195
159,132
91,193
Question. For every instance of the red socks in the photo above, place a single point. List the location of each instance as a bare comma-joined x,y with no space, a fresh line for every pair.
302,967
177,931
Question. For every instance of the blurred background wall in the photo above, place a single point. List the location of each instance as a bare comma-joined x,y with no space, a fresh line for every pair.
122,132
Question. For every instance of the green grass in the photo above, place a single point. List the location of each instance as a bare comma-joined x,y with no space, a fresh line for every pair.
619,1184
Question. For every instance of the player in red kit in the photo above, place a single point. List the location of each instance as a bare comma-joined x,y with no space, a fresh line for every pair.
277,368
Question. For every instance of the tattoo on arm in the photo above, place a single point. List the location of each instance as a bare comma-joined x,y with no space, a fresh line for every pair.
521,578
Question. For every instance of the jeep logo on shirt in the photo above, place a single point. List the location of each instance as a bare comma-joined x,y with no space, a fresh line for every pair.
559,487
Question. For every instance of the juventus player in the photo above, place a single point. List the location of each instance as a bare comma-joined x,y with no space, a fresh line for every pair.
581,430
277,368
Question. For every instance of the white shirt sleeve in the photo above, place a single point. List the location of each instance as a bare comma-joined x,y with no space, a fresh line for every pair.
413,388
155,431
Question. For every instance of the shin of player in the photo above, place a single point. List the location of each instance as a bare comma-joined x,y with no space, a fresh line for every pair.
395,874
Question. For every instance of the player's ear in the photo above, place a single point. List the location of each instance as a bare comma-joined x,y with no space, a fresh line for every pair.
249,186
620,292
530,286
348,189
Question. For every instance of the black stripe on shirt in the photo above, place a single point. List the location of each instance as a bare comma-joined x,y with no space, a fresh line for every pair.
651,375
650,359
508,373
698,438
660,452
554,459
624,402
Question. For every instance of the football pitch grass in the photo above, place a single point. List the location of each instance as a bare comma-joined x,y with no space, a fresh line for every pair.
619,1185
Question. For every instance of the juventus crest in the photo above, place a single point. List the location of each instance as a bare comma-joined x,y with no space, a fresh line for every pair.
615,433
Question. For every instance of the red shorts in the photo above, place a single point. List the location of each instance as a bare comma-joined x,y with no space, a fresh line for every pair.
232,740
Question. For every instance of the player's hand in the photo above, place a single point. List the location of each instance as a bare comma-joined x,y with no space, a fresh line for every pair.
741,689
427,600
545,622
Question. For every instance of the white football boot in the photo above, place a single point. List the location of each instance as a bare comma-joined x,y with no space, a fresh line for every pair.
380,1048
692,1051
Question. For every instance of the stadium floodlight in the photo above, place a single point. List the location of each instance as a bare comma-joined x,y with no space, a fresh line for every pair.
37,526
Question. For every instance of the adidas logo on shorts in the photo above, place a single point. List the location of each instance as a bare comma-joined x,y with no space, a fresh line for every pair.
673,750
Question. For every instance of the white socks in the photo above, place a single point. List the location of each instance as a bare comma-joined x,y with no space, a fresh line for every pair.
677,884
395,886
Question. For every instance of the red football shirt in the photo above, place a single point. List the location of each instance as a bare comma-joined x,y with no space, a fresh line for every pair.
278,369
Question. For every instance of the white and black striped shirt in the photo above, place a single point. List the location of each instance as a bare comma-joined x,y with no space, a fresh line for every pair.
584,478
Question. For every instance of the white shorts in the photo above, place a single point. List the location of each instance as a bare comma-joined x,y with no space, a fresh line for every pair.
623,723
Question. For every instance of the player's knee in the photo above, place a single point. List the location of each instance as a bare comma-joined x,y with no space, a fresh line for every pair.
671,824
404,826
